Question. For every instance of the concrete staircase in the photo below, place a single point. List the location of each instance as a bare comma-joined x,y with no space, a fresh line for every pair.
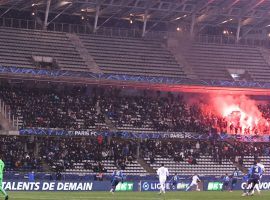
146,166
265,54
176,46
108,122
87,58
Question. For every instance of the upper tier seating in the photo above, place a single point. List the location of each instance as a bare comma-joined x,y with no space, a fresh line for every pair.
211,61
19,45
132,56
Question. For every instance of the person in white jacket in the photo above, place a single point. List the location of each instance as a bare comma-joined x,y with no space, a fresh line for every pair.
194,182
162,173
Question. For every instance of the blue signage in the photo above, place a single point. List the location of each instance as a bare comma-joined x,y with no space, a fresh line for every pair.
155,186
67,186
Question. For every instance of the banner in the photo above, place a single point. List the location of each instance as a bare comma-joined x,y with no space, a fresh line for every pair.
263,185
157,135
133,79
240,185
120,134
67,186
48,186
155,186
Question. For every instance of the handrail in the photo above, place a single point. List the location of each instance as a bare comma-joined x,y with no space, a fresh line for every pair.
6,113
76,28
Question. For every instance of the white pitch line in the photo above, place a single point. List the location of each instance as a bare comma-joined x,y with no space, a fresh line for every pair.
73,198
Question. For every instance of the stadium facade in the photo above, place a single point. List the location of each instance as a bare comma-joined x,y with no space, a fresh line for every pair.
132,85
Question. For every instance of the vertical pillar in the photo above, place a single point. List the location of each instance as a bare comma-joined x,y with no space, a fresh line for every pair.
47,14
96,18
193,20
17,121
138,151
5,113
144,23
238,30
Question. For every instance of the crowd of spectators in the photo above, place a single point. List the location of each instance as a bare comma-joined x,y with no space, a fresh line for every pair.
81,108
190,151
154,111
18,153
52,107
28,153
61,153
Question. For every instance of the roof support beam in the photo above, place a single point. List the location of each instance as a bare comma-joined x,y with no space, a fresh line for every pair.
96,18
162,18
47,14
238,29
226,5
258,23
10,8
108,19
70,4
250,6
145,17
125,5
192,26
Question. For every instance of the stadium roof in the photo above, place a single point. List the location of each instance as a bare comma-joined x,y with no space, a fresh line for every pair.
249,13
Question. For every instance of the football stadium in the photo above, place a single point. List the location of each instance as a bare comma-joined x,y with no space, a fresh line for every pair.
134,99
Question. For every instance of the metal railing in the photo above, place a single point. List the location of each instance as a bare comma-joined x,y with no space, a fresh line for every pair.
6,113
220,39
124,32
78,28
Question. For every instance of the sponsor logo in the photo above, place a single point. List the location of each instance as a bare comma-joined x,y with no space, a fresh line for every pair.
145,186
262,185
214,186
182,186
155,186
126,186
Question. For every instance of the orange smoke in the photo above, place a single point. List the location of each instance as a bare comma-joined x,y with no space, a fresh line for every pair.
240,111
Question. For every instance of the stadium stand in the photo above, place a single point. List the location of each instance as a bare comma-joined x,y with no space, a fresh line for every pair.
214,60
18,153
190,157
148,111
132,56
79,108
19,45
248,160
94,155
88,88
111,54
75,155
47,107
86,108
205,168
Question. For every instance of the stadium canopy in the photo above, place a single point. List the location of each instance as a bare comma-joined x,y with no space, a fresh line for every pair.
246,14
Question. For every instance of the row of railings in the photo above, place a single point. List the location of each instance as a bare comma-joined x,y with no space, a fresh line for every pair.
125,32
7,116
78,28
